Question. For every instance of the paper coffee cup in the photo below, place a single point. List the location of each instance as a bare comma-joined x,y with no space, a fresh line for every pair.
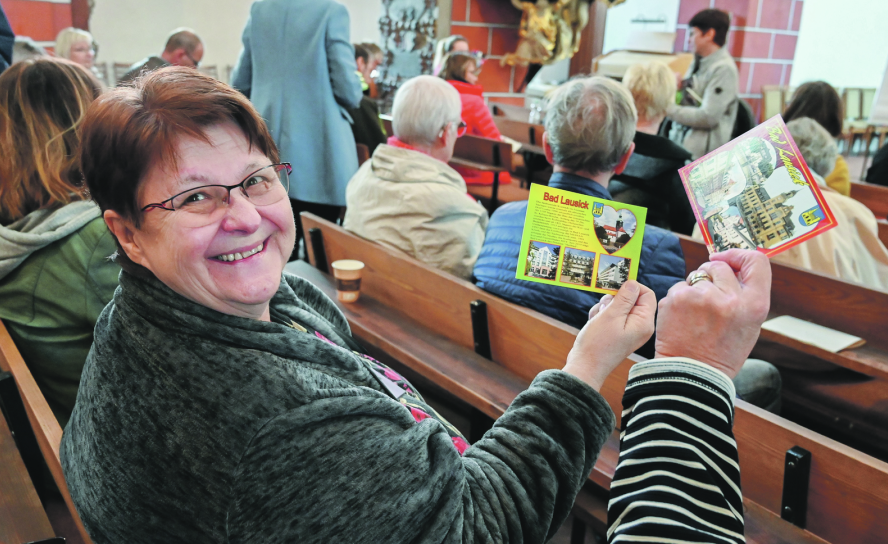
348,279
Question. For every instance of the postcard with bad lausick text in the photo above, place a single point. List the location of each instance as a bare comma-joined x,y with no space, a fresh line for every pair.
756,192
579,241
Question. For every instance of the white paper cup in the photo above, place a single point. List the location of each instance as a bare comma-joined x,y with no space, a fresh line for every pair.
348,274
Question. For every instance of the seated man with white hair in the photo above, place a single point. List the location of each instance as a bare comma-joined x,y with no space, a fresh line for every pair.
852,250
590,126
406,196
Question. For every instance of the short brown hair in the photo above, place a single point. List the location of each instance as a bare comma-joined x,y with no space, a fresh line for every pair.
361,52
131,130
455,65
713,18
819,101
182,38
42,104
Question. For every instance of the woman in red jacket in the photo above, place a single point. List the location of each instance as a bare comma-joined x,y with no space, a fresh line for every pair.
461,70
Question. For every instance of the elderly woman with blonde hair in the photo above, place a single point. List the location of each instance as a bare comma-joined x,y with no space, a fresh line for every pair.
651,177
77,46
852,250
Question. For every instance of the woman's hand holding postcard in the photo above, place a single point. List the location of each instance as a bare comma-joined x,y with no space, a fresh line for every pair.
580,241
756,192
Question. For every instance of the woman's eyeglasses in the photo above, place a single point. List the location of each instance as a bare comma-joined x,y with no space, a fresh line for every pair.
265,186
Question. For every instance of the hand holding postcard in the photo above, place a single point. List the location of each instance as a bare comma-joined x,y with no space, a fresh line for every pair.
756,192
579,241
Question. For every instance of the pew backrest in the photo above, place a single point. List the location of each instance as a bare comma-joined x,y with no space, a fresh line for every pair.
43,422
827,301
520,131
848,491
875,197
519,113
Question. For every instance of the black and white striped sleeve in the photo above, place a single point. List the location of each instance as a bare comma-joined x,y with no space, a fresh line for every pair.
678,478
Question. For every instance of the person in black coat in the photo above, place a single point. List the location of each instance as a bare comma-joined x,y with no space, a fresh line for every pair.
366,125
878,172
651,178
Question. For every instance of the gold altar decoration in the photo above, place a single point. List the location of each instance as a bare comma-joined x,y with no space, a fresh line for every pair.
550,31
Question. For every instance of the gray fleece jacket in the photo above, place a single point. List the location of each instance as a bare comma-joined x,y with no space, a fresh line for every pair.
196,426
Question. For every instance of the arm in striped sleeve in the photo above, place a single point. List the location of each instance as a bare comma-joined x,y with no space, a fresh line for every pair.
678,478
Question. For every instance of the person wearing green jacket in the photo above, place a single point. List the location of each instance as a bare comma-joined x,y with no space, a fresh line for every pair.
55,272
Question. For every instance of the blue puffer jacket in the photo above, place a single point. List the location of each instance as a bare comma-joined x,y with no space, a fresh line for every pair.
662,262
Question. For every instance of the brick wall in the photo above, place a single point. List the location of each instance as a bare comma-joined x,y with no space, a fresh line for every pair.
39,20
491,26
762,40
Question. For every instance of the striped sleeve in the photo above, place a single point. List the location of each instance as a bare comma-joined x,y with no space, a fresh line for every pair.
678,478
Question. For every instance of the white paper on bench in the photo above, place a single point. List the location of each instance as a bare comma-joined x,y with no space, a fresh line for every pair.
810,333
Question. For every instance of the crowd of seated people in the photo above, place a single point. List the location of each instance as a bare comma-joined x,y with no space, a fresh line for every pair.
219,399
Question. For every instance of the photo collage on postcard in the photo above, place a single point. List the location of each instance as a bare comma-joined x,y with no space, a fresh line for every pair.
578,241
756,192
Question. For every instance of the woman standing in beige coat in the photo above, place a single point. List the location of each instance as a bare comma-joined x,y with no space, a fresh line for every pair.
852,250
406,196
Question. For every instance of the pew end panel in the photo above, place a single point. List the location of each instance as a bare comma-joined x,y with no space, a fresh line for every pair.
46,427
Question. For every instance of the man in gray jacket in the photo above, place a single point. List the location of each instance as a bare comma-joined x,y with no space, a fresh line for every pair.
709,104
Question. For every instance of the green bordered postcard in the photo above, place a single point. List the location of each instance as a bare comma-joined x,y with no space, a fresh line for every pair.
579,241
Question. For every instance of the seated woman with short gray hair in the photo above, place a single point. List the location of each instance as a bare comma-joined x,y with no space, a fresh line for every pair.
651,178
406,197
852,250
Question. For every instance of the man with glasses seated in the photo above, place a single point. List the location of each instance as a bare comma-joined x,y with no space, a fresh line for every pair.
406,196
183,48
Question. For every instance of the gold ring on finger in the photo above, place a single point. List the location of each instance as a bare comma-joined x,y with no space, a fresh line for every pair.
697,276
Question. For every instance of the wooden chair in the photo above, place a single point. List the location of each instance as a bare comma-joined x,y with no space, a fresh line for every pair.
120,70
857,104
43,422
422,317
774,100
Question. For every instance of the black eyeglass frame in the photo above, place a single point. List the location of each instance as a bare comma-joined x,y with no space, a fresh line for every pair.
161,205
196,62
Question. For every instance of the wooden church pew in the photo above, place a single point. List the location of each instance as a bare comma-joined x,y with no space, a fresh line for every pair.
43,422
848,490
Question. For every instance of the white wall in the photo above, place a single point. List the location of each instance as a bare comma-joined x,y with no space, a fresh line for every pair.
843,42
130,30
